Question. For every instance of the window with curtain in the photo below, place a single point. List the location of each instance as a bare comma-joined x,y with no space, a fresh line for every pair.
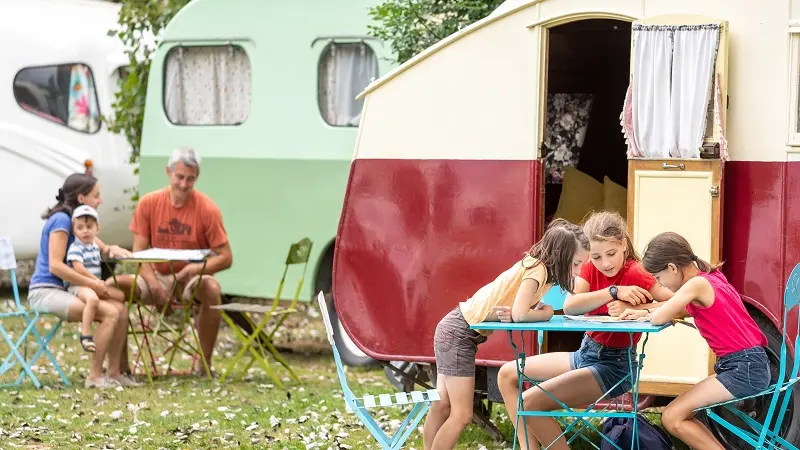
207,85
64,94
345,69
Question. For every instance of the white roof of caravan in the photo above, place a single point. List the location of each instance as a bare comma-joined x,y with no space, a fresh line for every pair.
506,8
48,31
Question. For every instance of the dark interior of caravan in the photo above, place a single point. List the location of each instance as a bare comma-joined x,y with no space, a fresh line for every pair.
584,149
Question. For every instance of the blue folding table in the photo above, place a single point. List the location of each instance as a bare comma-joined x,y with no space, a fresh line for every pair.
561,323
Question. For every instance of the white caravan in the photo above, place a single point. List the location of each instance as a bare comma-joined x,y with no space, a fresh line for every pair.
58,73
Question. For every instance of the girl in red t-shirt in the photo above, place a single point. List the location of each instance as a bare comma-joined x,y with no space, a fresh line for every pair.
702,291
611,281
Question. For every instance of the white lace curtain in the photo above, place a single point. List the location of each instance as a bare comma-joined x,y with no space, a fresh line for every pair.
345,70
209,85
667,104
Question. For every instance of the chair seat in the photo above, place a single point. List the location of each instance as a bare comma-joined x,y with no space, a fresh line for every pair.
766,391
400,398
253,308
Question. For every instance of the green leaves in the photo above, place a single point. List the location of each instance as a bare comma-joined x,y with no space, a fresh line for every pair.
414,25
137,20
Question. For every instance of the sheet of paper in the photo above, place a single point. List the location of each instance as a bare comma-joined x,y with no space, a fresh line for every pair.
165,254
602,319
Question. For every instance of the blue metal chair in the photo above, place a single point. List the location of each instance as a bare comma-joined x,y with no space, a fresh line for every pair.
420,399
763,435
8,262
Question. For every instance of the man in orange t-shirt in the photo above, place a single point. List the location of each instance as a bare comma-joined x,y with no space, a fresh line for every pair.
179,217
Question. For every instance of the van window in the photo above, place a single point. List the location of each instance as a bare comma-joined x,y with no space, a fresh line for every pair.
207,85
64,94
345,69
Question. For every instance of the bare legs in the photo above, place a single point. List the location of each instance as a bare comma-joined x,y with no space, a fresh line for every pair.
573,387
540,368
107,336
449,416
678,417
208,320
90,301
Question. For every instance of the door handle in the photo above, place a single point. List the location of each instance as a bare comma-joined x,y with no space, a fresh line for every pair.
673,166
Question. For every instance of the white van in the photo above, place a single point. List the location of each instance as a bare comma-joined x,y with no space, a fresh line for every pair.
59,72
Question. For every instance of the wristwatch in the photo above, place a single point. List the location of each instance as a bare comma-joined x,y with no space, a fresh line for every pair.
613,291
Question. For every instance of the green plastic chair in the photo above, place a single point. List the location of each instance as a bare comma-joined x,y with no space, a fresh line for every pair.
255,338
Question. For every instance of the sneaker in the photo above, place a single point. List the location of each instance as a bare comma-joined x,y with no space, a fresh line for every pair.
127,380
201,372
102,383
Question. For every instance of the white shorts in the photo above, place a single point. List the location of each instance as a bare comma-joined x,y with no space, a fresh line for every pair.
51,300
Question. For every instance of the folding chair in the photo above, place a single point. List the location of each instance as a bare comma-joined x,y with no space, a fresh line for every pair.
8,262
420,399
253,336
763,435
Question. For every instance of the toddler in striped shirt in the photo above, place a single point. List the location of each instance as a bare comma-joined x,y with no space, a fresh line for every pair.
83,256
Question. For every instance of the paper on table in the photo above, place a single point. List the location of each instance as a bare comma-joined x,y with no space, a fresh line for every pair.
166,254
603,319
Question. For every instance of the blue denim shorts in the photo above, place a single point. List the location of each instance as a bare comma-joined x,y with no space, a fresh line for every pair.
745,372
609,365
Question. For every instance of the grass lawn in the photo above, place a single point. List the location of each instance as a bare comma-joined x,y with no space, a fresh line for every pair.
191,413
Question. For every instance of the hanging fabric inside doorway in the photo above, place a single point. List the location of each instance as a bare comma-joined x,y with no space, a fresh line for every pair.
665,109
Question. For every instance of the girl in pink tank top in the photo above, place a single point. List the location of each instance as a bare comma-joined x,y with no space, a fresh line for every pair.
703,292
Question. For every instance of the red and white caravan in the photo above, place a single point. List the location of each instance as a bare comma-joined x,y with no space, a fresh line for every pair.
466,151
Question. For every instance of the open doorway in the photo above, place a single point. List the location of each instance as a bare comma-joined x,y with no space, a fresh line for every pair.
588,66
584,150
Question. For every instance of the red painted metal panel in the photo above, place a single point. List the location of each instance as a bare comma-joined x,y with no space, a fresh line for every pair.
416,237
761,244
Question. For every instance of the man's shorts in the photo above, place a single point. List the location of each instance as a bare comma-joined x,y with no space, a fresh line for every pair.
166,282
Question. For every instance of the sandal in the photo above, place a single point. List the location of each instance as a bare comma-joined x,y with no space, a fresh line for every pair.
87,342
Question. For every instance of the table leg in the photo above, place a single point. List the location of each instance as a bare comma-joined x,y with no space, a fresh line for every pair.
131,295
195,335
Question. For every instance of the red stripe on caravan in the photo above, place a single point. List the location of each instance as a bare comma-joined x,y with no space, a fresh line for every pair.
417,237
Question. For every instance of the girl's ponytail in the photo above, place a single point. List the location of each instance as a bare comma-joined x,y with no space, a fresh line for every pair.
703,265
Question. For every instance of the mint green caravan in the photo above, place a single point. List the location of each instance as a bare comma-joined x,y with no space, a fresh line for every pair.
265,91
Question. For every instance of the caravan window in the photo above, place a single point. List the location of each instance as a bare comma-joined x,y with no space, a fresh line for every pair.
64,94
207,85
345,69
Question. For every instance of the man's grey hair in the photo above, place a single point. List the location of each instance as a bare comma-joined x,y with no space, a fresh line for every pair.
186,155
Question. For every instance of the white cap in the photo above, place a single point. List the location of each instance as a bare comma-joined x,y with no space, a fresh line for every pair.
85,210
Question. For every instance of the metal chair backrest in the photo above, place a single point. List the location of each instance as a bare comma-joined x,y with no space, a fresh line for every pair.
8,261
299,253
323,308
791,298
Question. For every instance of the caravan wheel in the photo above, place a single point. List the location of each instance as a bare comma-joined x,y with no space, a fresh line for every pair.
350,353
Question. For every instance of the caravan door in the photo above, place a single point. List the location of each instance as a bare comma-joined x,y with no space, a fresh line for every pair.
681,191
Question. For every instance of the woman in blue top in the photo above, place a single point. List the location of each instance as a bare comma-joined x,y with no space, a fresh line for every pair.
47,293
